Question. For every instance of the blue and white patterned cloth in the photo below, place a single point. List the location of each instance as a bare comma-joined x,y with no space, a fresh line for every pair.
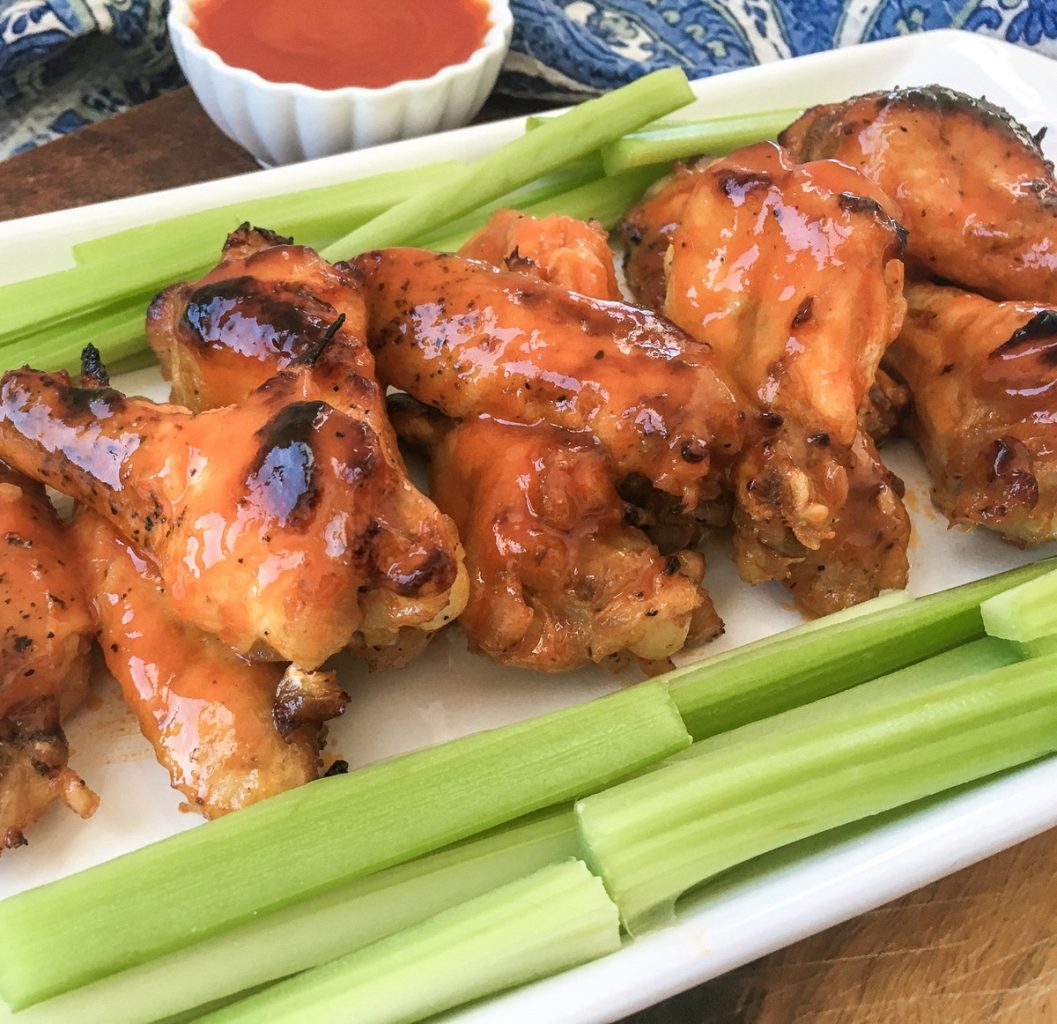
67,63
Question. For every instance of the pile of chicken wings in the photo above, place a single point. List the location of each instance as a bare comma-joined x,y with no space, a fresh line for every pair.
888,265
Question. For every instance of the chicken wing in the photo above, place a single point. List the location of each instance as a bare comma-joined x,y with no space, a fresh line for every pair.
983,376
210,715
468,339
969,182
278,525
44,659
558,579
266,304
791,274
563,250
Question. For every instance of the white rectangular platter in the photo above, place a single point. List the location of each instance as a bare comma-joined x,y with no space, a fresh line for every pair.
449,692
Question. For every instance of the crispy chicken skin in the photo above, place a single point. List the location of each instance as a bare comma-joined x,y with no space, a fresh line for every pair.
468,339
278,525
267,303
563,250
558,579
209,714
44,659
970,183
983,376
791,273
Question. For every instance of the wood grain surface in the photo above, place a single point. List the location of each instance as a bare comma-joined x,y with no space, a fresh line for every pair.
979,947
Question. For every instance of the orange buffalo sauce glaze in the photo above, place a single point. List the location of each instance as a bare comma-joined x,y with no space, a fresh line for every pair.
333,43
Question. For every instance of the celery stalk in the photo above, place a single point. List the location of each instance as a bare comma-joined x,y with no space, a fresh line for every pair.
564,138
679,141
1025,612
801,773
311,933
552,920
1038,647
315,838
761,680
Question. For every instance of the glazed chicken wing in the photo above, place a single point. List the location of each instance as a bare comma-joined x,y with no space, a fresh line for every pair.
230,732
983,376
267,303
563,250
44,659
791,273
558,579
278,525
970,184
468,339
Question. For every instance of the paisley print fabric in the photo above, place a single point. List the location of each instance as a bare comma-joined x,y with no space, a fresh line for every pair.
68,63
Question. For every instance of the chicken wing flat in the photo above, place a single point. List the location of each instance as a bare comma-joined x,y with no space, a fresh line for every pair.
558,579
209,714
44,659
278,525
563,250
267,304
983,376
469,339
791,273
971,184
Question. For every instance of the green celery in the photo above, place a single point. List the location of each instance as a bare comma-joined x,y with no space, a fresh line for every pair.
1038,647
144,259
311,933
602,199
554,919
565,138
801,773
720,694
313,839
1023,613
682,140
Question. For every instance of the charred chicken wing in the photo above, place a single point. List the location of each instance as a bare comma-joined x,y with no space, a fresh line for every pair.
791,274
212,717
971,185
468,339
278,525
983,376
44,659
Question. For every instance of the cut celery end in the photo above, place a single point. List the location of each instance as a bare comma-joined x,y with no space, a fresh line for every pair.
680,141
557,918
657,836
1037,648
764,679
1025,612
313,839
316,931
563,139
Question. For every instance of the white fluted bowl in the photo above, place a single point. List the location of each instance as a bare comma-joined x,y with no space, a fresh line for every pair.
285,122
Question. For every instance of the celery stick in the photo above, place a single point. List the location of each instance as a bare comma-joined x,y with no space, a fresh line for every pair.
320,929
679,141
552,920
1038,647
603,199
765,679
1025,612
562,139
146,258
315,838
846,758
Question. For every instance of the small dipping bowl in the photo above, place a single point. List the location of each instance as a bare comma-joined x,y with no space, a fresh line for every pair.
285,122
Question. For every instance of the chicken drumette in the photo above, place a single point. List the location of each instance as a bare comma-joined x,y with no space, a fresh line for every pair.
969,183
791,273
44,659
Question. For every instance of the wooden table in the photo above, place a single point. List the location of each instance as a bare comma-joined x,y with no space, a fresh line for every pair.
979,947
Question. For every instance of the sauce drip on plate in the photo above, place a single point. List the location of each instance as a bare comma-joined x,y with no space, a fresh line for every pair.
329,44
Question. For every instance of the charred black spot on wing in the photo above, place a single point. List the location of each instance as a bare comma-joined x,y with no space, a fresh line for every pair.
246,234
281,477
803,314
431,574
850,202
737,184
1042,327
93,370
1010,467
310,357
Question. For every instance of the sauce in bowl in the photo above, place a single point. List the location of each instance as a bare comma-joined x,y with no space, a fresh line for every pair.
328,44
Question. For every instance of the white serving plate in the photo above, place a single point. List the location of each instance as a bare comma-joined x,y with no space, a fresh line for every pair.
448,692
